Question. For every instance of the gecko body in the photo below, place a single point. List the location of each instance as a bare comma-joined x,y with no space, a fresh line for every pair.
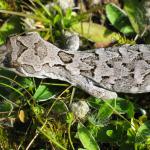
100,72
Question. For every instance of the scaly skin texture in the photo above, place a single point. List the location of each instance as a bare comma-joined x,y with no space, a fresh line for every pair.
100,72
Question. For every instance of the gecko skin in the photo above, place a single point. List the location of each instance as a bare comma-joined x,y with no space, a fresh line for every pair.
100,72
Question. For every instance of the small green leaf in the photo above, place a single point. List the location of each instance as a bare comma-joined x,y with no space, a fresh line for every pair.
120,106
58,9
118,19
38,110
86,138
57,19
104,112
25,82
42,93
143,133
135,12
69,13
123,106
110,133
69,118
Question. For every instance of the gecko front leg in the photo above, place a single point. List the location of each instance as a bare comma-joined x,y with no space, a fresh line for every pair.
96,91
101,92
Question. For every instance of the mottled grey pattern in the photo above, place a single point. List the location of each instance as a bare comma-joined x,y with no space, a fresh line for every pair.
101,72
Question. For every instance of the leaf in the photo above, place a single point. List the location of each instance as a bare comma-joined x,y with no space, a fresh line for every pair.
57,19
143,133
86,138
115,131
94,32
38,110
69,118
69,13
120,106
4,5
119,19
42,93
104,112
58,9
5,106
9,27
135,12
110,133
25,82
60,107
123,106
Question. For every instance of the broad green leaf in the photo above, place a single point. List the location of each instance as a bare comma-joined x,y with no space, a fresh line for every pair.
143,133
60,107
95,32
118,19
86,138
105,111
42,93
120,106
135,12
11,26
123,106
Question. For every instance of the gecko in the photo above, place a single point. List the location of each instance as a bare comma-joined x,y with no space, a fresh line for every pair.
102,72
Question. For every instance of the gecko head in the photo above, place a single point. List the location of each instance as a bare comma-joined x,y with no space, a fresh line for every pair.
3,54
6,58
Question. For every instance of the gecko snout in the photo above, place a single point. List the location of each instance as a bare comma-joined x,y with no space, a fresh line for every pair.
3,54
